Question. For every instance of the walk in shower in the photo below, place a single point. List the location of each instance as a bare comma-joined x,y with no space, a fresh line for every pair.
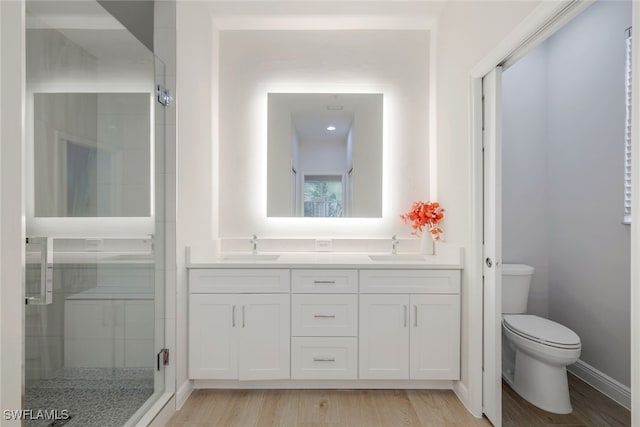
94,149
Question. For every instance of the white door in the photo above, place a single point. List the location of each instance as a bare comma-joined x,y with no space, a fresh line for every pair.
264,336
435,337
384,337
213,336
492,249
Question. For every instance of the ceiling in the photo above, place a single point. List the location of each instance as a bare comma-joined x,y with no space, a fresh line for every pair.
312,113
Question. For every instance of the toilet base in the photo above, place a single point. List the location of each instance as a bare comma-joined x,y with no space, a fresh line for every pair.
541,384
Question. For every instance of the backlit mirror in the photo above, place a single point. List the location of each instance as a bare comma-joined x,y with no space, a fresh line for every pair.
324,155
92,154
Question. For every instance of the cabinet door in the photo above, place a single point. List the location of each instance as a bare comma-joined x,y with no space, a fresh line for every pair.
213,336
435,337
264,336
384,337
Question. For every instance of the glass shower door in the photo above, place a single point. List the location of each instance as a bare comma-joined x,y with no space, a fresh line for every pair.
90,343
94,291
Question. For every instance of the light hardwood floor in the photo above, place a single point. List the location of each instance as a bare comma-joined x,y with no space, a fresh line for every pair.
324,408
590,409
385,408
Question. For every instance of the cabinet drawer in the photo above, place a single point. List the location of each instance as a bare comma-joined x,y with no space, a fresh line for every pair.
324,281
239,281
409,281
324,358
324,315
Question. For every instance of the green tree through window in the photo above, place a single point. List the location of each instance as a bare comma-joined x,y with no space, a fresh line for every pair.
323,195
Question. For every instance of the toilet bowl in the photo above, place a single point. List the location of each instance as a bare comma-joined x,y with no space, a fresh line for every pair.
543,349
536,351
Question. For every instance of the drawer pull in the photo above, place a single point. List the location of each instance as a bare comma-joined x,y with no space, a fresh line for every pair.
325,316
324,359
324,282
233,316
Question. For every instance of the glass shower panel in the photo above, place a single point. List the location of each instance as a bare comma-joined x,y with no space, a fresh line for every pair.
94,313
92,154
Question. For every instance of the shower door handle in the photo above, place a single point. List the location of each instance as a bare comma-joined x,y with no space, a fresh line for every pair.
43,245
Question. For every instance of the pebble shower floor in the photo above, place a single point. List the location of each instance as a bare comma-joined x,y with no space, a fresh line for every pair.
93,397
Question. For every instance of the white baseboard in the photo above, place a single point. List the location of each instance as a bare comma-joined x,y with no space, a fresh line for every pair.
183,393
164,416
462,392
325,384
606,385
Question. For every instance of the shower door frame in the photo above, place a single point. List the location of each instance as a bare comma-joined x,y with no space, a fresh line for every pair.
12,221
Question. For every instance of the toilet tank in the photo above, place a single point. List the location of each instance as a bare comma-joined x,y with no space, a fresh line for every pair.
516,280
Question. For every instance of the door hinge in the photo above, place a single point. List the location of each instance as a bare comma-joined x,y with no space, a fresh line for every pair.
162,358
164,96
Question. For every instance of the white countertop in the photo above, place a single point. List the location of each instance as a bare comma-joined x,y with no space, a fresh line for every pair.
448,259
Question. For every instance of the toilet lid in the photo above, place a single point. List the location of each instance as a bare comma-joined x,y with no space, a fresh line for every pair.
542,330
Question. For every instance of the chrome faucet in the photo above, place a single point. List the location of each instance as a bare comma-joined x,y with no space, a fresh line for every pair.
254,244
394,244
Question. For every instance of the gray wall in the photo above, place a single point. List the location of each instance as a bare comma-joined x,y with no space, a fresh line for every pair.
563,192
135,15
524,187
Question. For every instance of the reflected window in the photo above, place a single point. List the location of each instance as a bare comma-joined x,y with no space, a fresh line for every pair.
323,196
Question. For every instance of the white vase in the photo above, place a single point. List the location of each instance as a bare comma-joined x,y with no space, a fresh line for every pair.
427,244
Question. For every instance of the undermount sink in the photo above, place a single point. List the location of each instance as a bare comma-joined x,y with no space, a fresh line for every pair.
397,257
250,257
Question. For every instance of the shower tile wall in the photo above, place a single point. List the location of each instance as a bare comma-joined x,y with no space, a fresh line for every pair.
45,325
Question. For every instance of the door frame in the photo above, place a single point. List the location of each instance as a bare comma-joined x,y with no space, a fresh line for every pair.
543,22
492,245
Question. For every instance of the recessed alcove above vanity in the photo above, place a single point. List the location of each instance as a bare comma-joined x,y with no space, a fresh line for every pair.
271,81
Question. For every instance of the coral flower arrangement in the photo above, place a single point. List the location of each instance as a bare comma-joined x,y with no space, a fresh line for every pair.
425,214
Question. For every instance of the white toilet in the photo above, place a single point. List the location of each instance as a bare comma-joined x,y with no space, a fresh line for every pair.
535,351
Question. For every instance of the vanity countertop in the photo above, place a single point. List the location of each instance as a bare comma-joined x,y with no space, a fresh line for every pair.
448,260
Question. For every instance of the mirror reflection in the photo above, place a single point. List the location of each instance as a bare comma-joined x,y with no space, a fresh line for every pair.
92,154
324,155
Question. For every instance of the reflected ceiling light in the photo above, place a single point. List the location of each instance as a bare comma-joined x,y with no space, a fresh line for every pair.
331,128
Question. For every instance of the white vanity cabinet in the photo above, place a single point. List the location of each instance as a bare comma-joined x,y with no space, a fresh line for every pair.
241,336
316,326
409,324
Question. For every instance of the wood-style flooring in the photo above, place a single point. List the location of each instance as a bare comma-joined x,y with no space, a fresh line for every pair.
324,408
385,408
590,408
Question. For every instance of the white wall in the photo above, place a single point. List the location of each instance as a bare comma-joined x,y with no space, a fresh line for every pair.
325,156
11,216
467,33
563,197
282,155
253,63
525,185
196,162
366,156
